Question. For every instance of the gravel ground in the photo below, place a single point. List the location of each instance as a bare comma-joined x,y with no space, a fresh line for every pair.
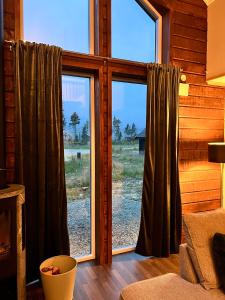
126,218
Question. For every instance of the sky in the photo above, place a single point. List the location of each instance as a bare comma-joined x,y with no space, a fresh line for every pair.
133,38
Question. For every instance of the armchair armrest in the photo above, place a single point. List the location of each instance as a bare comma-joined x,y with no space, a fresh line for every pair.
187,270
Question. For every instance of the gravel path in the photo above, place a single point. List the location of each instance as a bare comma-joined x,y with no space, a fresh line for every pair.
126,218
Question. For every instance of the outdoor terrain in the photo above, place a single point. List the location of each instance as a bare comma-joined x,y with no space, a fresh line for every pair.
126,192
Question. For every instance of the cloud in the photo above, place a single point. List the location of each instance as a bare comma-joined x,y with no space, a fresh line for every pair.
75,89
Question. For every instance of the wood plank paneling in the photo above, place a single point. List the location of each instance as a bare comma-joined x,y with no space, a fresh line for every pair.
203,102
201,206
189,8
199,3
193,134
189,20
199,196
200,123
191,176
190,164
202,112
206,91
190,55
201,185
189,32
189,66
188,43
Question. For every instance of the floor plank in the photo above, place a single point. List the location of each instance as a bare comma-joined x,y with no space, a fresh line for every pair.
105,282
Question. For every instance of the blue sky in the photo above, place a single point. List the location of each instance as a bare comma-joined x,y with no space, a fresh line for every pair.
128,101
65,24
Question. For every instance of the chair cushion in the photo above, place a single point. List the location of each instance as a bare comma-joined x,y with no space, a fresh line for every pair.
165,287
218,248
216,294
199,230
187,270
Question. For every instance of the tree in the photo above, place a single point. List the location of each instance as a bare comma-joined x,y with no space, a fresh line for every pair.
127,130
74,121
116,129
133,131
63,120
84,134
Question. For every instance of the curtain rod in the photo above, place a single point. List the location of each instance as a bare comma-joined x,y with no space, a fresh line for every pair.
12,44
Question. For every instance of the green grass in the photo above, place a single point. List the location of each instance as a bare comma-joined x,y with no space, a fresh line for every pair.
76,146
127,166
127,163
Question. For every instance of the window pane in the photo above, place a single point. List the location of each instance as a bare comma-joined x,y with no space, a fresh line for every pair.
76,103
129,114
61,23
133,32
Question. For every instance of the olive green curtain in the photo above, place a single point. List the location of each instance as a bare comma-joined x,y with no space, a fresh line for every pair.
40,151
160,228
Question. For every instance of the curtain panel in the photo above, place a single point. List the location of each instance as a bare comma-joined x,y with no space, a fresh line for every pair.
160,228
40,151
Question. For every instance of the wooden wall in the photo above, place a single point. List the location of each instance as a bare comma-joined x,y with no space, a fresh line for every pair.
201,114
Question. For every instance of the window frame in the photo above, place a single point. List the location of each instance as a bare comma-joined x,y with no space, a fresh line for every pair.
127,79
90,76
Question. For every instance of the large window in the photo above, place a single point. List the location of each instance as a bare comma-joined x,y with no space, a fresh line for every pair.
129,115
104,111
79,159
134,30
62,23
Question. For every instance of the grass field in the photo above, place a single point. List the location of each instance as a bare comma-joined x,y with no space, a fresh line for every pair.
127,164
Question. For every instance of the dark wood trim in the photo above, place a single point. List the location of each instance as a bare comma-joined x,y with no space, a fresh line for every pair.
104,69
109,163
99,215
166,37
92,63
104,28
85,62
2,135
18,19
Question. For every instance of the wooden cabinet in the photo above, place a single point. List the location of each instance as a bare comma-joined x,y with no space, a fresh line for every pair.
12,256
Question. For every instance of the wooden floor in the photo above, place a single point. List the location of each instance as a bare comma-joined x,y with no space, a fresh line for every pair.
105,282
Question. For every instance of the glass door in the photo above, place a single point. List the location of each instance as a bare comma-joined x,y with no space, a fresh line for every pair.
78,120
128,138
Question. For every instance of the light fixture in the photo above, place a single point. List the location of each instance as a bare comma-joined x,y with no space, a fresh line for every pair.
216,154
183,86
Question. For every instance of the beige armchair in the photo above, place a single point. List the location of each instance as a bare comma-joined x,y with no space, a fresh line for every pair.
198,279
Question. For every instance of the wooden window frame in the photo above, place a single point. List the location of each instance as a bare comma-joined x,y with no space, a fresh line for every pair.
104,69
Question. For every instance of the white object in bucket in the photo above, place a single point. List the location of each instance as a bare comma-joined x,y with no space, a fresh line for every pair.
60,286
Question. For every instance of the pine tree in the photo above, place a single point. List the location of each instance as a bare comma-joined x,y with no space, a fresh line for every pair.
84,134
133,131
116,129
74,121
127,130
